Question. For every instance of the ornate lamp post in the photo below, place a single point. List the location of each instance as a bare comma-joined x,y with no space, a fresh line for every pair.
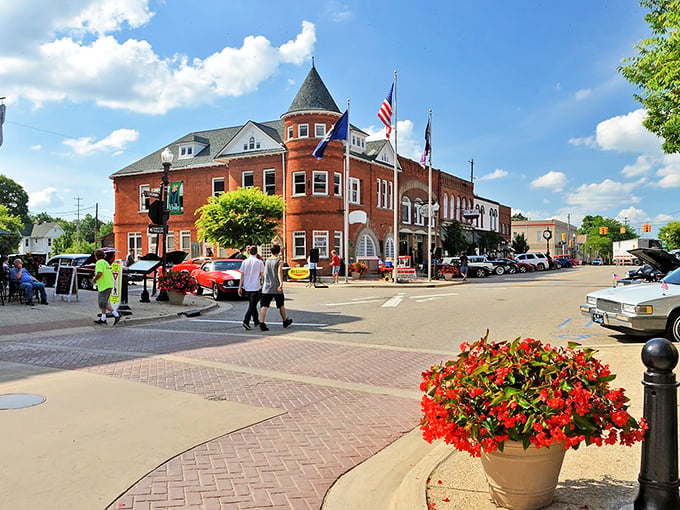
166,160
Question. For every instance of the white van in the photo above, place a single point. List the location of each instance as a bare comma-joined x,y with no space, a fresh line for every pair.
538,260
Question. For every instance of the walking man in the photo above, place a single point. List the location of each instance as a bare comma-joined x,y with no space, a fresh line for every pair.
104,280
464,265
272,288
252,270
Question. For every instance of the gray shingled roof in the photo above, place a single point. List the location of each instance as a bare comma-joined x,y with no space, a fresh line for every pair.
216,140
313,95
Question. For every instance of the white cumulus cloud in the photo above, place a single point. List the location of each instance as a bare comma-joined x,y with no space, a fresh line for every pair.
598,197
625,133
553,180
115,142
45,199
496,174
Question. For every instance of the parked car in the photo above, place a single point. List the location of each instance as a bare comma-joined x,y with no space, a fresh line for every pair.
219,276
47,273
658,263
522,267
191,264
477,265
563,261
645,309
85,272
538,260
500,267
565,256
597,261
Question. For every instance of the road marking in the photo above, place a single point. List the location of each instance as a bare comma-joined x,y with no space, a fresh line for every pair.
574,337
393,301
434,295
357,302
564,323
427,299
313,324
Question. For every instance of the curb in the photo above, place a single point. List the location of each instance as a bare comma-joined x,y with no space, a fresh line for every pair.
132,321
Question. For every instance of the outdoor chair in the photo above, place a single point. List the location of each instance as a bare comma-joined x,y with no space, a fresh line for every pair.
16,293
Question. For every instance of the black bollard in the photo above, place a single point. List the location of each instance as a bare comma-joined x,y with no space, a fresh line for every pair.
145,293
659,464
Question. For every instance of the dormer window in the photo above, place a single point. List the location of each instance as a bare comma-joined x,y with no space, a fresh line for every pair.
358,141
191,149
186,151
251,144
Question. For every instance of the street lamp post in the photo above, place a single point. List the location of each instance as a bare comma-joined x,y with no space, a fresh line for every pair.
166,160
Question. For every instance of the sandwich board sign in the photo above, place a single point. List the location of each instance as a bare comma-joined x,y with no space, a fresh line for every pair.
66,283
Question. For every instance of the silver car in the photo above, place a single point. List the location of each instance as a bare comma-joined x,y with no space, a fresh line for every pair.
645,309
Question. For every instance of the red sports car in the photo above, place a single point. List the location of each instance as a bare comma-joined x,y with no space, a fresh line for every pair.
219,276
191,264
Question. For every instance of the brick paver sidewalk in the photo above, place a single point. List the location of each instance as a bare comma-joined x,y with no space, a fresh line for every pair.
342,404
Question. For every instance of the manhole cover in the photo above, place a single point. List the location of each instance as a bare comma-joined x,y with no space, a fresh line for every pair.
20,400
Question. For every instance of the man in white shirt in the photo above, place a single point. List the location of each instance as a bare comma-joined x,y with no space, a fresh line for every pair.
252,270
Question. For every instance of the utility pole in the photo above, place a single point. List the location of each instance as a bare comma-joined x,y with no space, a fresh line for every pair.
78,199
96,224
472,170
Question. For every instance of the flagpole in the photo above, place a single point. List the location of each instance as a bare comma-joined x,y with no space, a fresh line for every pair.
429,204
345,235
395,189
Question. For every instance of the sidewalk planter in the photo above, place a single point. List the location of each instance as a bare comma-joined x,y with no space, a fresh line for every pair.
356,275
511,402
522,479
448,276
356,269
175,298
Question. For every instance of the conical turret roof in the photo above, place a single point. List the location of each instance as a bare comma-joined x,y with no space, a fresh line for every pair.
313,95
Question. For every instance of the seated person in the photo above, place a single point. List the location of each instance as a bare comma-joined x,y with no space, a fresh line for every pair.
27,282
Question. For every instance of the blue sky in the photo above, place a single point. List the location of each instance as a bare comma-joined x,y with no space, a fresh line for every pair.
528,89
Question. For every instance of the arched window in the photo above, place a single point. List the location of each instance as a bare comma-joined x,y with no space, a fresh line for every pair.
366,247
455,208
405,210
418,220
389,248
445,203
481,217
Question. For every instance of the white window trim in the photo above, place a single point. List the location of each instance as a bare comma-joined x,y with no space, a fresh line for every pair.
337,243
385,199
243,179
289,132
218,179
142,198
354,191
319,133
297,235
378,187
185,234
322,236
406,202
325,191
299,129
339,184
265,172
293,192
391,196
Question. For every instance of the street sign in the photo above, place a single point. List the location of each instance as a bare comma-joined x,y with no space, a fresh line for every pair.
152,194
156,229
425,211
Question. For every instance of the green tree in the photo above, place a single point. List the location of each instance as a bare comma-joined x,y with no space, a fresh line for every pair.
15,198
453,239
520,244
671,234
241,217
9,243
490,242
656,72
518,217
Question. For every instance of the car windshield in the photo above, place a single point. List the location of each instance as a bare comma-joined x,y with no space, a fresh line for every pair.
224,265
673,278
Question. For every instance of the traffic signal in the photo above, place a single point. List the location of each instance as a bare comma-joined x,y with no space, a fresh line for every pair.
646,227
604,231
564,237
622,230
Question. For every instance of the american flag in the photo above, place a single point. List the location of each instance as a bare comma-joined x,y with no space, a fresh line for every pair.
428,141
664,285
615,276
385,112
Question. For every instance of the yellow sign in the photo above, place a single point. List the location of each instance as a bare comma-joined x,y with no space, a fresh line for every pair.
298,273
117,279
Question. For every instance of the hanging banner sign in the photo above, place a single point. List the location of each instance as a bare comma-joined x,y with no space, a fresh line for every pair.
470,214
174,195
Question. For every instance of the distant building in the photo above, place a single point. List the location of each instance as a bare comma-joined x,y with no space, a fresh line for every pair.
564,238
38,238
276,156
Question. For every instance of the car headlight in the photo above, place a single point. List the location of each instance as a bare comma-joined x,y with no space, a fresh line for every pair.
591,300
229,283
638,309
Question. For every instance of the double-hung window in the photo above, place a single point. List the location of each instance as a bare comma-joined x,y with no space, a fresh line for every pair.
320,242
319,130
299,245
354,190
247,180
269,181
217,186
303,131
320,186
298,183
144,189
385,202
337,184
379,193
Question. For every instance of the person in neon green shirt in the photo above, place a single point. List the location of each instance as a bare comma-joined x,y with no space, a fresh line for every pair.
104,280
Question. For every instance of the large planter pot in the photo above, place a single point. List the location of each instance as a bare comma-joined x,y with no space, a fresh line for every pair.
356,275
448,276
523,479
175,298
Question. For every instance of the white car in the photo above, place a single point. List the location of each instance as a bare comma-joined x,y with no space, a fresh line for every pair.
649,309
538,260
477,265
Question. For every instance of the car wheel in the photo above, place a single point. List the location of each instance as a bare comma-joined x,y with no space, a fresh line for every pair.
480,272
522,269
216,292
512,270
673,327
499,270
199,291
84,283
540,266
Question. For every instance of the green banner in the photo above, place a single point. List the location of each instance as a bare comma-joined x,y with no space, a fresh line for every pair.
175,197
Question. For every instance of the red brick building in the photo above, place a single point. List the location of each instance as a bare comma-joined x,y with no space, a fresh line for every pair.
276,156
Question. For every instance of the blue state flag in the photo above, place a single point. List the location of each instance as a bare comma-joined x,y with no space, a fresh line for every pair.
339,131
